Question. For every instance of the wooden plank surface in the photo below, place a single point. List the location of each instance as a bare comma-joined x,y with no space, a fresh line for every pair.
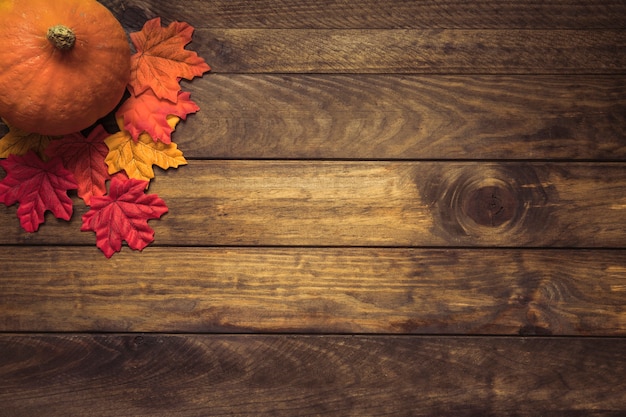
315,290
373,14
377,203
406,117
413,51
144,375
371,183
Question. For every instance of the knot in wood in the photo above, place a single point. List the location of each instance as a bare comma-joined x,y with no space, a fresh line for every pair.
494,204
490,205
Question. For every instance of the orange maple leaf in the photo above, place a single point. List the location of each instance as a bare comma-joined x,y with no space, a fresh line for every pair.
137,158
147,113
161,59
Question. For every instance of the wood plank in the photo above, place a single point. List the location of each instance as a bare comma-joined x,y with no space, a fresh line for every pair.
158,375
376,14
309,290
448,51
406,117
378,203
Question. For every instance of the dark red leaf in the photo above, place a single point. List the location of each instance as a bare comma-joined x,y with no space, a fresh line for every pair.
123,214
37,186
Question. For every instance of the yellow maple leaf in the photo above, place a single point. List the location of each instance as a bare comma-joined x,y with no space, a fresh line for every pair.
18,142
136,158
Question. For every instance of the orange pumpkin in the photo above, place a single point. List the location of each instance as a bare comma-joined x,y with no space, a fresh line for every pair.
63,64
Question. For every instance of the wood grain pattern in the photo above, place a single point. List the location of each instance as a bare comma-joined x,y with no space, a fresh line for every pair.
373,14
378,203
406,117
413,51
144,375
371,184
314,290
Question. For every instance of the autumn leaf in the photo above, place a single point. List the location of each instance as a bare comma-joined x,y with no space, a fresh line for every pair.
137,158
147,113
161,59
37,186
123,214
84,157
18,142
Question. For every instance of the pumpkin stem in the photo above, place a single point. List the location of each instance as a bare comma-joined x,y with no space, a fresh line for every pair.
61,37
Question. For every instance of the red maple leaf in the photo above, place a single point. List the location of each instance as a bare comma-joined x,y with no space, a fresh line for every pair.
148,113
37,186
84,157
123,214
161,59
